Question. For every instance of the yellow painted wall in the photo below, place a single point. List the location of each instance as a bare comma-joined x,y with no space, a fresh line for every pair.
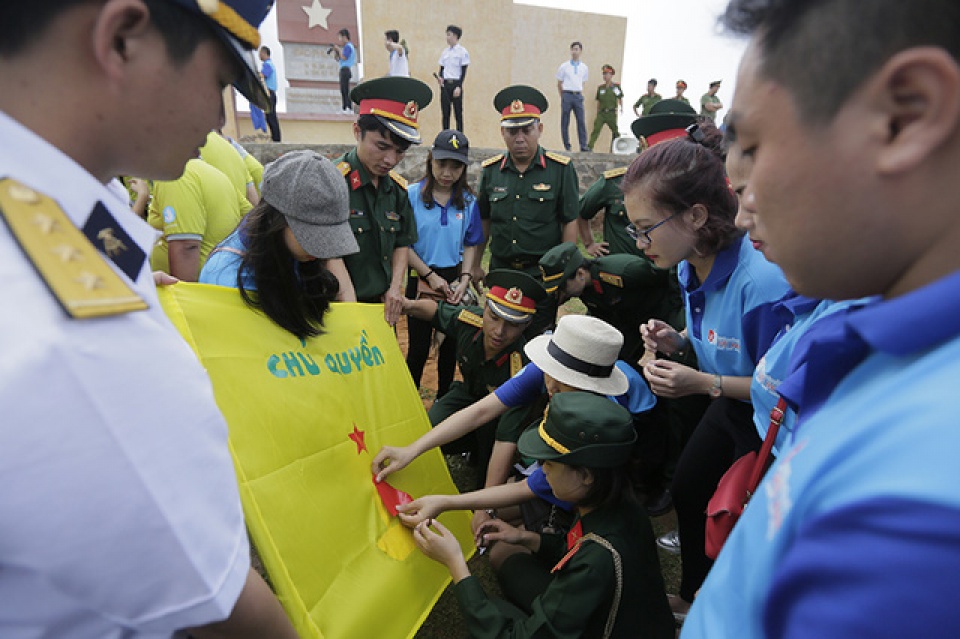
508,44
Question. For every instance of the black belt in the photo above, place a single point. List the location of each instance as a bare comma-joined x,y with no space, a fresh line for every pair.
607,110
522,265
574,92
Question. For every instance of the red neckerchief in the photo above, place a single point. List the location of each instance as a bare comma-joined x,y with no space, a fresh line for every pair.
573,545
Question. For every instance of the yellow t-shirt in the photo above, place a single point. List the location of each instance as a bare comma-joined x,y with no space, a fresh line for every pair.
201,205
220,153
255,168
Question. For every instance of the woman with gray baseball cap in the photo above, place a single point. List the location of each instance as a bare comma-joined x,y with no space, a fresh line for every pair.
285,257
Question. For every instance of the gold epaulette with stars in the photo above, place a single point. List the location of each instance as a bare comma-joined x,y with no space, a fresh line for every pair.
516,363
344,168
471,318
610,278
556,157
492,160
399,179
614,173
77,274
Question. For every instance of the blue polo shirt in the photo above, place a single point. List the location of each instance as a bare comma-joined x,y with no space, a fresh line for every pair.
444,231
269,74
730,318
348,57
855,531
797,315
224,262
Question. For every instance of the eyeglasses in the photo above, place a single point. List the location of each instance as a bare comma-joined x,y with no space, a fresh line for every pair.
636,234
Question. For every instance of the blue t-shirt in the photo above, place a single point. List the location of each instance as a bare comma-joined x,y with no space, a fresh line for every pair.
348,56
855,530
444,231
730,318
224,262
527,385
269,74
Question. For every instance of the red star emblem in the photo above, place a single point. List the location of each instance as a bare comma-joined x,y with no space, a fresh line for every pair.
355,182
357,436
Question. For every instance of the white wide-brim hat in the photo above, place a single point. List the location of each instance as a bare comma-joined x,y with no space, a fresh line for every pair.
582,353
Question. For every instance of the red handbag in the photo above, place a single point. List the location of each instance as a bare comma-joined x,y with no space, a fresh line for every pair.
737,485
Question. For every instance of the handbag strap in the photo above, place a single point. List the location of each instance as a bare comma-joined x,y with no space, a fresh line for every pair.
763,459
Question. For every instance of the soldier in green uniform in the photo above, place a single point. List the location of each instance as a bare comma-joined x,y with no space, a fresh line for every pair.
622,290
602,579
648,99
681,87
528,197
489,348
710,103
609,105
380,212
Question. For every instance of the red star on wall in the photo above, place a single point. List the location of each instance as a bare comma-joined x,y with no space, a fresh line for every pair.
358,437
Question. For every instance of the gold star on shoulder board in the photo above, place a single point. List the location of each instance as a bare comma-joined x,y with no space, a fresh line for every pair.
67,253
89,281
46,223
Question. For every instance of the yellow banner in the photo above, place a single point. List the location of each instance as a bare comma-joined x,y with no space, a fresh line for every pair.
306,418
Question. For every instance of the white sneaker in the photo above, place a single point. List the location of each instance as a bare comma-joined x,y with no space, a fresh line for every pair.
670,542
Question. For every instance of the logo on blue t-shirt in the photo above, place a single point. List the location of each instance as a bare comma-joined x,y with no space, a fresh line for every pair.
169,215
723,343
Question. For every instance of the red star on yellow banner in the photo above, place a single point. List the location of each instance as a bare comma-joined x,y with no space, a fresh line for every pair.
358,437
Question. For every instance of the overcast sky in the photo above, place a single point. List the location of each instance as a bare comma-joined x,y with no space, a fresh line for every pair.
666,39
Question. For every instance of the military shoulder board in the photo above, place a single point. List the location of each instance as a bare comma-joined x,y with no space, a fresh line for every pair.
492,160
344,168
610,278
615,173
471,318
556,157
399,179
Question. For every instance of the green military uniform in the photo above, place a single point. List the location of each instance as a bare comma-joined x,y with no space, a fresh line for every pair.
526,211
382,220
609,546
646,101
605,195
681,98
481,376
704,101
608,102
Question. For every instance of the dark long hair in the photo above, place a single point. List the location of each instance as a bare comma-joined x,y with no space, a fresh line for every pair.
293,294
459,190
681,173
610,486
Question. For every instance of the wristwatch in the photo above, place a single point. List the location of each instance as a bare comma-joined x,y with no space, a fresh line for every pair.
717,389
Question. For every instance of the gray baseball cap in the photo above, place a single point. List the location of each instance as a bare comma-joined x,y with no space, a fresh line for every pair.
312,195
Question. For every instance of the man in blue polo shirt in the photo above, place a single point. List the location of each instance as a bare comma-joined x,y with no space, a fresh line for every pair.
269,74
855,531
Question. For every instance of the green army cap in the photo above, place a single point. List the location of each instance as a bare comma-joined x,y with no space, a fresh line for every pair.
581,429
666,120
513,295
396,102
560,264
519,105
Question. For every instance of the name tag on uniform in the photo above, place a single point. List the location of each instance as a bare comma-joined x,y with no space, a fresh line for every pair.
499,189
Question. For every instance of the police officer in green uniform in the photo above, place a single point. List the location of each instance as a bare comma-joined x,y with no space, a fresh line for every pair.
681,87
623,290
667,120
528,197
489,348
648,99
710,103
380,213
609,105
602,579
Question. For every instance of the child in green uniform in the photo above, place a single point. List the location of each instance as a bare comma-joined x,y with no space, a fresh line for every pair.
603,579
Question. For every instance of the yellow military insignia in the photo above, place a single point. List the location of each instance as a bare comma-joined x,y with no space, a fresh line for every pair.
516,363
410,110
614,173
344,168
516,106
111,244
514,295
492,160
556,157
610,278
471,318
541,187
399,179
73,269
